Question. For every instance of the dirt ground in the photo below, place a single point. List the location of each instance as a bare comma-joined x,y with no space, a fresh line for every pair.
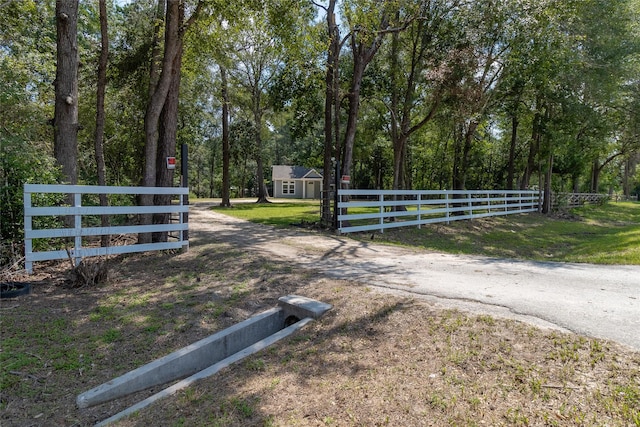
376,358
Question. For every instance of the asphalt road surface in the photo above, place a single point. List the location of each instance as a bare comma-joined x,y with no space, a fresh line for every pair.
593,300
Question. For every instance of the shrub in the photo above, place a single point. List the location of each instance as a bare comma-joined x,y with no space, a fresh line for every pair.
20,163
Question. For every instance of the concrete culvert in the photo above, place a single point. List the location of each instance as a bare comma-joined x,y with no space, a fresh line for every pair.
207,356
290,321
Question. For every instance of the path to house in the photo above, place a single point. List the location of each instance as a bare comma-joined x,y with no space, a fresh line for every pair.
597,301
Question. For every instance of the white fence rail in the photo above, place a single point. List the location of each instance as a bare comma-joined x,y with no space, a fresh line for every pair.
366,210
77,232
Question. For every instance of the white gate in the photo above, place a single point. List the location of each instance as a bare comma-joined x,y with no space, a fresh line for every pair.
366,210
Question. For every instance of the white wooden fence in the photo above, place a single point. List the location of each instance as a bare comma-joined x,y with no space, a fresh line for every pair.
365,210
77,252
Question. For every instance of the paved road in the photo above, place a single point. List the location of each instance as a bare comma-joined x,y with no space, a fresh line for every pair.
597,301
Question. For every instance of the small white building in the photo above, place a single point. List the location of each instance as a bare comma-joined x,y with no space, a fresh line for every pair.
296,182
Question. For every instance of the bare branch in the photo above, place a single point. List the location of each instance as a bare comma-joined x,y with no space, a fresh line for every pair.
319,5
194,16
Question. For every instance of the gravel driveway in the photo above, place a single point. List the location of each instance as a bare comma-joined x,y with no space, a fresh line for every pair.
594,300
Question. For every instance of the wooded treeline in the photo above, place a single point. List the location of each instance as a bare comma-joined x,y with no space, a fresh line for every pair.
404,94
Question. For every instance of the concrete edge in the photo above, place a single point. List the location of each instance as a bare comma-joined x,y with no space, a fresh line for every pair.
162,370
213,369
302,307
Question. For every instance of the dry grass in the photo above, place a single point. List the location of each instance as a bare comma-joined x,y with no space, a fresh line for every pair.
375,359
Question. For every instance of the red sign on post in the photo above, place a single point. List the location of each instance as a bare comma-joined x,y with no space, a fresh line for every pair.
171,162
346,179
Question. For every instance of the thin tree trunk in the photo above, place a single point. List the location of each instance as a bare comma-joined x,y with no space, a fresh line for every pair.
397,138
511,167
226,149
402,106
546,203
534,147
595,177
352,117
462,149
212,170
262,193
362,56
599,167
629,171
329,102
338,150
155,68
100,114
468,141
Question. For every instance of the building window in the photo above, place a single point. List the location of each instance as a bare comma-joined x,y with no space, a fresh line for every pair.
288,187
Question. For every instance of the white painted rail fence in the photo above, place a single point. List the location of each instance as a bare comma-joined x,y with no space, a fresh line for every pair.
77,252
366,210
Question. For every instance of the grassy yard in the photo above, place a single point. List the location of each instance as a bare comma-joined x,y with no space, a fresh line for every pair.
277,214
374,359
607,234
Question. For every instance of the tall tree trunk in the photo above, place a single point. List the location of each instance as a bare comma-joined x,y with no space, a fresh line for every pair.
173,38
212,170
513,110
65,121
100,114
630,166
595,176
468,141
534,148
599,167
363,53
456,175
167,136
154,110
337,108
352,117
397,137
257,118
243,178
226,149
155,68
330,152
462,148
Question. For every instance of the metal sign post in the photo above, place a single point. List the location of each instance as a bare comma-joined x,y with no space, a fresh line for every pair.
336,175
184,181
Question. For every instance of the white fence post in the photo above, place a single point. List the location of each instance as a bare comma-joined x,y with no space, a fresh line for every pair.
77,230
381,200
419,211
28,244
446,204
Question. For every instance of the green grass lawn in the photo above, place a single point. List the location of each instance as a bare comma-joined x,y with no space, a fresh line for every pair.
278,214
607,234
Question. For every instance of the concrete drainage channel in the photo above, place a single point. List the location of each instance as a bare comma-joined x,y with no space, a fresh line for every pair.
204,358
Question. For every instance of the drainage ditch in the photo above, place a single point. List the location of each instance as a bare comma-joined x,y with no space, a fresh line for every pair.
206,357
